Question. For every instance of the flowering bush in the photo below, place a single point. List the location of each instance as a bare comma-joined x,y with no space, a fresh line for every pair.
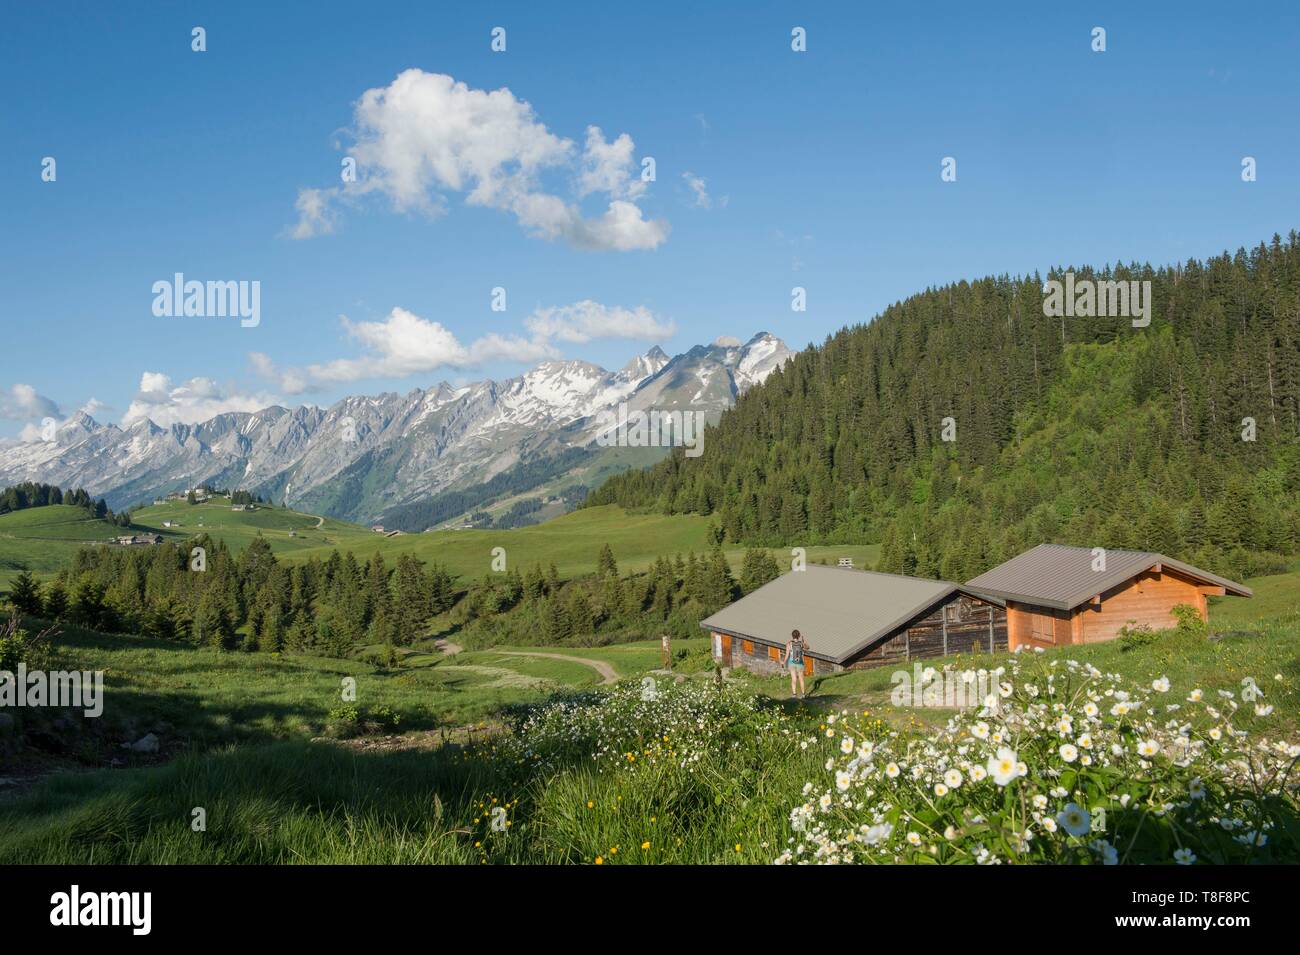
638,723
1062,764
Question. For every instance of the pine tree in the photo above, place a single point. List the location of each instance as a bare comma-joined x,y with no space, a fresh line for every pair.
25,594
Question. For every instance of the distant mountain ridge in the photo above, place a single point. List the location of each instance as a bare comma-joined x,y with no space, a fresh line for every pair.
365,455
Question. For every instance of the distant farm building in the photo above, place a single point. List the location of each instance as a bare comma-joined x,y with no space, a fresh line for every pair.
846,562
377,528
1061,595
853,619
135,540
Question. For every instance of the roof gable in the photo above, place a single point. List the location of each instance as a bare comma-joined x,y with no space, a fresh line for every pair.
1062,577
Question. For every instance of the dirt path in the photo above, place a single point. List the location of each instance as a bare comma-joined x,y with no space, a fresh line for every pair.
447,647
607,672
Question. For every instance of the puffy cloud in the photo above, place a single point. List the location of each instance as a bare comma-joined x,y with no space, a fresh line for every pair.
195,400
23,403
425,136
403,344
609,167
399,345
583,321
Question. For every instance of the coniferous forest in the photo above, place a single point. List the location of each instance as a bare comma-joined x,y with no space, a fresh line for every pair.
1182,437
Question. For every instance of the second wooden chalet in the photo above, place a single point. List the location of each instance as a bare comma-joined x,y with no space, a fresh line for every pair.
1058,595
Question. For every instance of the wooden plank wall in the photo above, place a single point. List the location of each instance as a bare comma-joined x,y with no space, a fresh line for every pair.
961,625
1149,598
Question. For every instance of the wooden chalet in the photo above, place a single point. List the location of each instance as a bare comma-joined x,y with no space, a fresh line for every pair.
852,619
1059,595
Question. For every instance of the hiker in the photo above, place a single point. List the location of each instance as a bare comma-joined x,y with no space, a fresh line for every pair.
792,660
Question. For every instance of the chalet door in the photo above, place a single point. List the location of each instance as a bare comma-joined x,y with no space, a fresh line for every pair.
1042,628
807,665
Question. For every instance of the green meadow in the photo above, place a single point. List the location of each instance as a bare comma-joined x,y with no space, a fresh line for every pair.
429,752
44,539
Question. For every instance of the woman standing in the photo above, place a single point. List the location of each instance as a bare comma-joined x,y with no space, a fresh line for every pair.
792,660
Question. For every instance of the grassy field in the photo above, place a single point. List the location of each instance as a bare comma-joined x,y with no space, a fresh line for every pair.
238,729
44,539
286,772
710,780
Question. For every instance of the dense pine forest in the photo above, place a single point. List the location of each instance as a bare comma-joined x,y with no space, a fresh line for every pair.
340,606
1181,437
250,601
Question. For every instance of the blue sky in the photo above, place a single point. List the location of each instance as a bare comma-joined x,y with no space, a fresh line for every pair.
822,170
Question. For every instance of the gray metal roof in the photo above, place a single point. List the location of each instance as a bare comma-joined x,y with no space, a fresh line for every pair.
838,610
1062,577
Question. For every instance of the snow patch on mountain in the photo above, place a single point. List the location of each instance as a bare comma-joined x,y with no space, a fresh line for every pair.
424,441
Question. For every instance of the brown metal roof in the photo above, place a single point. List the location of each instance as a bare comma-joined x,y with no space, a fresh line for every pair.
839,611
1062,577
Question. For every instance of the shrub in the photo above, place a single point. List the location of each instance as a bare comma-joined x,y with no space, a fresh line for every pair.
384,717
1189,620
1131,638
17,646
343,720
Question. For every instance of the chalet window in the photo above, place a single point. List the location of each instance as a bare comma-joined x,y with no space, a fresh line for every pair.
749,647
953,612
773,653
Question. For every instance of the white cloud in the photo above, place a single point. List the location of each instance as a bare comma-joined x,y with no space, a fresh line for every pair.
195,400
609,167
23,403
700,197
315,215
700,190
425,136
585,320
399,345
404,344
727,341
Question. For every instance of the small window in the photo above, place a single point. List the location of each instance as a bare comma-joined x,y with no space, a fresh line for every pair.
773,653
749,647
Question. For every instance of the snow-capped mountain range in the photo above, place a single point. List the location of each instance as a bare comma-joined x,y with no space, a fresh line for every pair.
366,454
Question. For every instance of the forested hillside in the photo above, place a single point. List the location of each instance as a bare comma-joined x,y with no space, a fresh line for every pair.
1075,430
